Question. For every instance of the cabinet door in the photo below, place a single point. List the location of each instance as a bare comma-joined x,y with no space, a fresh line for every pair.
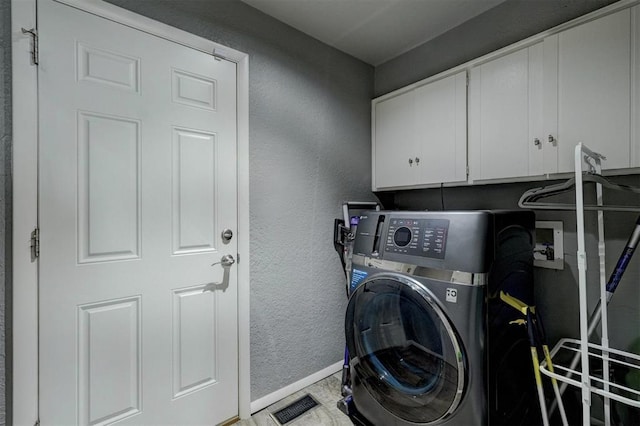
506,116
420,136
395,142
441,126
594,90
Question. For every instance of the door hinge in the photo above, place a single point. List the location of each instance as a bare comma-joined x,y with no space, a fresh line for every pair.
237,257
34,44
35,244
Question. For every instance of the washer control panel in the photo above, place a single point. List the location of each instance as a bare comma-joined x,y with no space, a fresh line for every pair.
417,237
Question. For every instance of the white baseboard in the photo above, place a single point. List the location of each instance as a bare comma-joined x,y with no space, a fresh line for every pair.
276,396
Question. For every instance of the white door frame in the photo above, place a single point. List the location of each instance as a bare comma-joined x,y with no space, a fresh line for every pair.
25,194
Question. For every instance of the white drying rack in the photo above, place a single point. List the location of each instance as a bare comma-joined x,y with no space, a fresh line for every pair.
582,349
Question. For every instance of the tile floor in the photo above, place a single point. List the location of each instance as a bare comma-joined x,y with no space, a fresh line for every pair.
326,392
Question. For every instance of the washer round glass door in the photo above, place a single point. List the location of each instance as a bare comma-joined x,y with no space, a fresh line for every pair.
404,349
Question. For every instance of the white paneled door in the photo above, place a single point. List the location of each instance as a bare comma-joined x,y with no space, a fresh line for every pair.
137,181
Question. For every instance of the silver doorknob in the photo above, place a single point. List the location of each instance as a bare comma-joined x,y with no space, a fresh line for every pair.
226,261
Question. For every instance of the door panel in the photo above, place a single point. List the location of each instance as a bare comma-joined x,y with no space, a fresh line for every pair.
195,341
137,176
194,172
109,381
108,188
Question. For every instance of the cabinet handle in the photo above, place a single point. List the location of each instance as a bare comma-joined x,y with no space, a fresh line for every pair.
537,142
552,139
410,162
417,161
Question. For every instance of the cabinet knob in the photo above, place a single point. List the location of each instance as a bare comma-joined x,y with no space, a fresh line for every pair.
417,161
537,142
410,161
552,139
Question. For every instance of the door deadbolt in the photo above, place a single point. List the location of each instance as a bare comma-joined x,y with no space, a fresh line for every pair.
227,235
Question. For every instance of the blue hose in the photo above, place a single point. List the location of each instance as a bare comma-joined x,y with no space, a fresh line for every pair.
623,261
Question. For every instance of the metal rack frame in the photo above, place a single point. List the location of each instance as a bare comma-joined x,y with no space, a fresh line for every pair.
590,383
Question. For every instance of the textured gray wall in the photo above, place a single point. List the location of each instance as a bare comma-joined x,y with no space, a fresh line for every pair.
309,147
5,200
505,24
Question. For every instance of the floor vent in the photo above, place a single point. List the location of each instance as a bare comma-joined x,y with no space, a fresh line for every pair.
295,409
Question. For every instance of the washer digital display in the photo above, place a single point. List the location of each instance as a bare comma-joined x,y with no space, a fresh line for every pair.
418,237
402,236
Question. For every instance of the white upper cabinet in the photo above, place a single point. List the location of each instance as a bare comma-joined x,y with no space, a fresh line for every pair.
419,136
529,109
594,91
505,116
529,106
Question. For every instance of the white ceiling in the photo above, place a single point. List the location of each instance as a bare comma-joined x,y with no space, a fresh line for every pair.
373,30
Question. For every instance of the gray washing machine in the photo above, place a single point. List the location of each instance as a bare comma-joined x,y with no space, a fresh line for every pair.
418,320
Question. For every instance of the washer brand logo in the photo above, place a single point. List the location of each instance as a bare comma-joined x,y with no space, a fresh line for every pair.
452,295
